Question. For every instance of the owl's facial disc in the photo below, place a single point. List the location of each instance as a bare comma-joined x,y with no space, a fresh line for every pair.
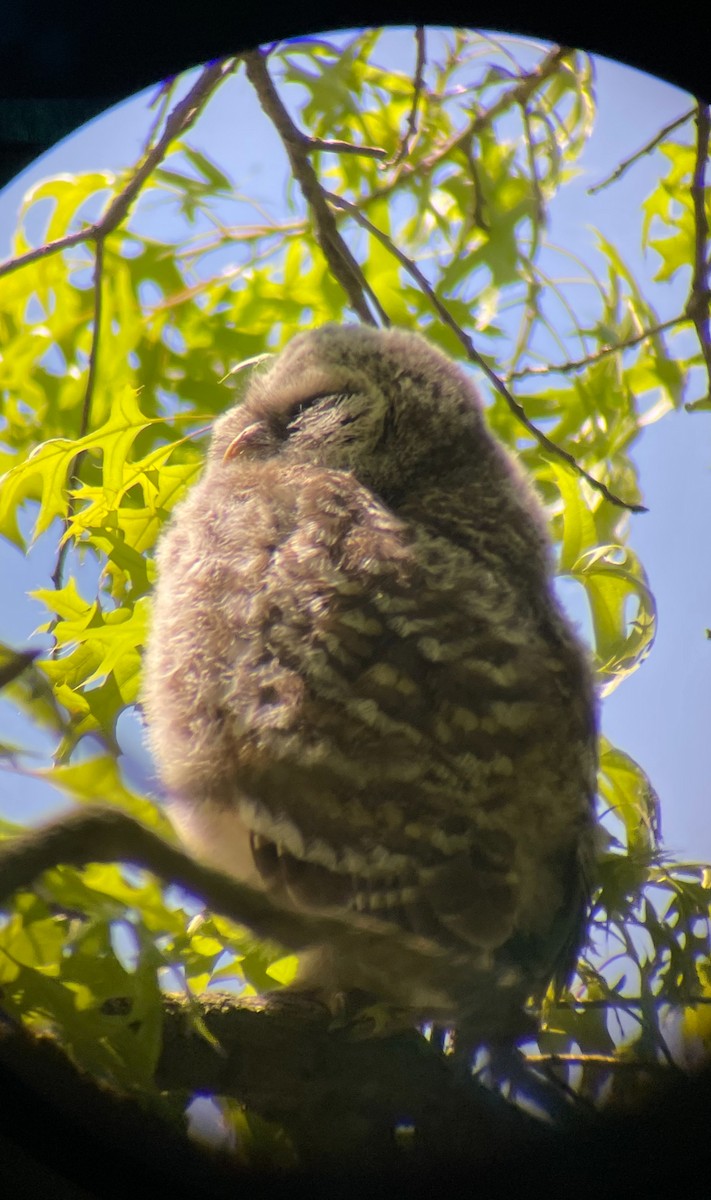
384,406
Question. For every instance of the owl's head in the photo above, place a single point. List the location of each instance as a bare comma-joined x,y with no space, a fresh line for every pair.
384,404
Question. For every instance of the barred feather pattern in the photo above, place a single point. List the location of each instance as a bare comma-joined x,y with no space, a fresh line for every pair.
360,690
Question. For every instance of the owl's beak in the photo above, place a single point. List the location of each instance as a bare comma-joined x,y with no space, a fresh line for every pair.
246,438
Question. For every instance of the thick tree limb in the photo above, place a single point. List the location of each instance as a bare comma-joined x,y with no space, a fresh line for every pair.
339,1095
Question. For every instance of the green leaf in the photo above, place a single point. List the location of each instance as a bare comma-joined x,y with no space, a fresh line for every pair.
613,577
579,531
628,792
44,474
67,194
98,781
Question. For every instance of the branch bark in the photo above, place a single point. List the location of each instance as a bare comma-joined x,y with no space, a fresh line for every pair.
339,1095
337,254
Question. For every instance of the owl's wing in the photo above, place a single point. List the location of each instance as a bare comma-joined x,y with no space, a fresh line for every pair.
406,727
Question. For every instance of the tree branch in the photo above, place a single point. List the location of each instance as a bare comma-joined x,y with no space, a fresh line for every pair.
336,1093
343,265
334,146
646,149
79,1129
518,94
57,573
102,834
418,87
116,211
578,363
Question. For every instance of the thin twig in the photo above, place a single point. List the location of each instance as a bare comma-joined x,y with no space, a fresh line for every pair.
519,94
578,363
334,146
646,149
180,120
474,356
64,243
417,88
533,285
540,207
478,208
116,211
161,102
343,265
594,1060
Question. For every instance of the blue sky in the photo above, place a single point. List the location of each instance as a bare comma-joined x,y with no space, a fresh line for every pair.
661,714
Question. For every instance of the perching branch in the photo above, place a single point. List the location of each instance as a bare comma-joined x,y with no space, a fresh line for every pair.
418,87
337,1089
337,1093
103,834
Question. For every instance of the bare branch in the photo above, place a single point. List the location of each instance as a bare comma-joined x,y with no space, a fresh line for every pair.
578,363
334,146
518,94
63,243
418,86
180,120
646,149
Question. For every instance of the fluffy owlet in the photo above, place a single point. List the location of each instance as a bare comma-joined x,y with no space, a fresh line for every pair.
361,691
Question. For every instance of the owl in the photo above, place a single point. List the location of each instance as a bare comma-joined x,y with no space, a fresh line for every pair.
360,690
